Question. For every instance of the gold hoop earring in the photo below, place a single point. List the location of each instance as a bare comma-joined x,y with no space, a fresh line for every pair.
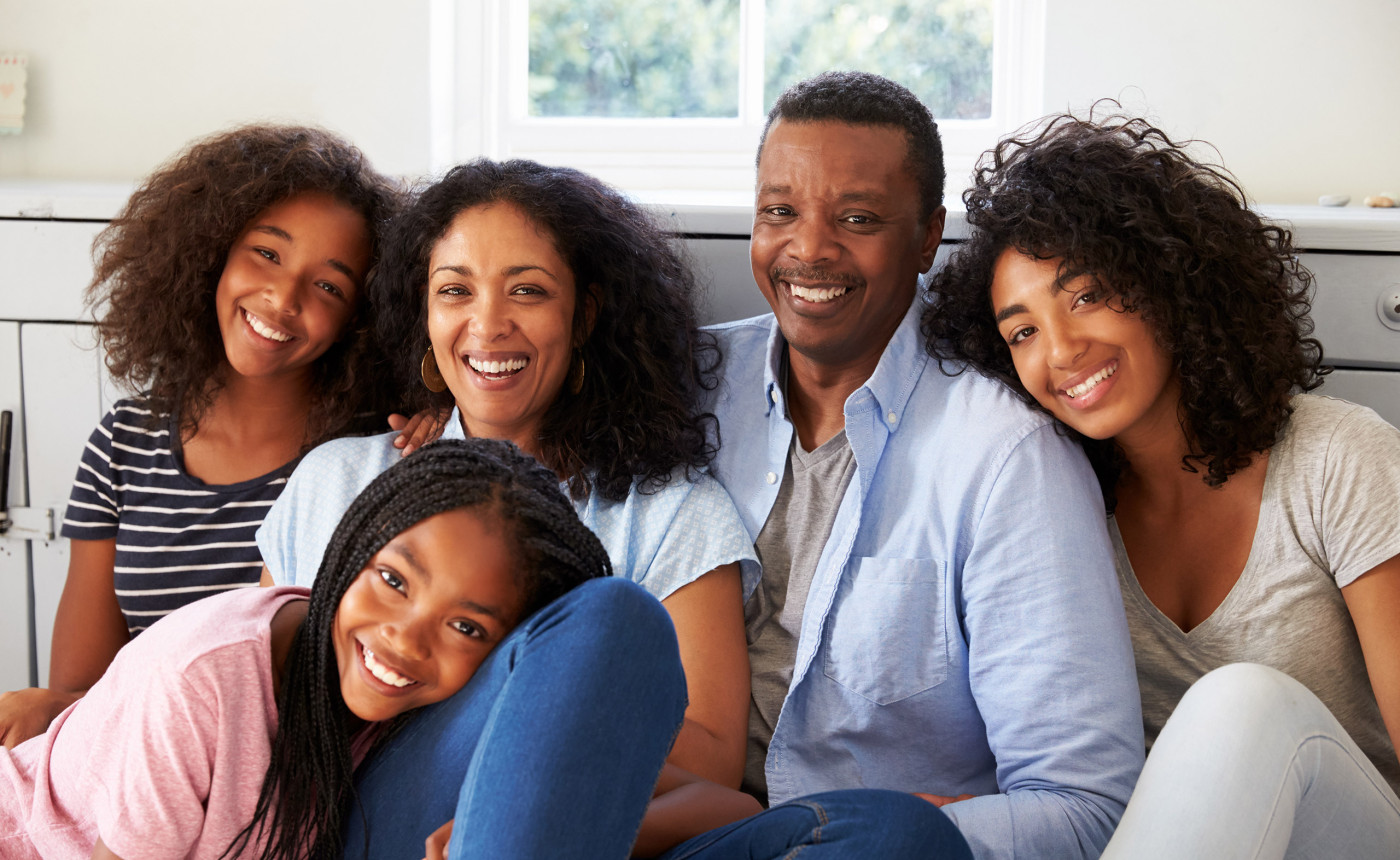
432,376
576,374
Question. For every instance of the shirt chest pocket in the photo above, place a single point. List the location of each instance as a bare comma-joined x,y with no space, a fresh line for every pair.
886,638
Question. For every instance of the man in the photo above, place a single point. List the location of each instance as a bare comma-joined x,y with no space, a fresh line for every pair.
938,612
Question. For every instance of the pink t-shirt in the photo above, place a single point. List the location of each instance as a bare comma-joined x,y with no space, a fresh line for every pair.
165,755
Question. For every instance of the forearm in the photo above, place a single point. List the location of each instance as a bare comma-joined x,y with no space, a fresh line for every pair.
687,811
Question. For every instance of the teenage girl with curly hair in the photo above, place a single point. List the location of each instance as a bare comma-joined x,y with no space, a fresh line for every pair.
230,292
1126,288
546,308
232,728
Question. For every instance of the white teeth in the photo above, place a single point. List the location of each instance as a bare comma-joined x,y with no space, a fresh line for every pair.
818,294
266,331
382,672
1091,383
509,366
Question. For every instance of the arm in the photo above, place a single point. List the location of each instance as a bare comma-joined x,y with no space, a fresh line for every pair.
709,619
102,852
1373,599
684,806
88,631
1049,660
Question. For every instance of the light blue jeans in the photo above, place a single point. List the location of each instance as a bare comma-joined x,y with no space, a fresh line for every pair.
1252,765
553,748
856,824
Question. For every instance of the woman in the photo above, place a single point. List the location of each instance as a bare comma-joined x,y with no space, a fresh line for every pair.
546,309
1128,290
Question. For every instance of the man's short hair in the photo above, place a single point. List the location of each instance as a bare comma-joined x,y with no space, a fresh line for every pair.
862,98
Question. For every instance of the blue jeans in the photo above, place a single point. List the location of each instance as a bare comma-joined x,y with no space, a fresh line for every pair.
854,824
1252,765
552,749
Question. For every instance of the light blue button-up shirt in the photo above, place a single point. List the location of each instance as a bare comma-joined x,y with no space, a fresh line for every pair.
964,632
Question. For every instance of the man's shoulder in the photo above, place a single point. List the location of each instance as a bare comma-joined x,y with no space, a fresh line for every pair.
743,341
965,400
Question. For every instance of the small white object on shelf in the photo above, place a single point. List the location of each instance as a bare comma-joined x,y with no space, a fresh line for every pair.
1334,200
13,72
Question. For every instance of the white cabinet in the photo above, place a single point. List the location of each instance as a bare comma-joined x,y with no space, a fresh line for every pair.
51,380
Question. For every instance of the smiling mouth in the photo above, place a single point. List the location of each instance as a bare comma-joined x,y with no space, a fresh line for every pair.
382,672
498,369
816,295
1091,383
256,324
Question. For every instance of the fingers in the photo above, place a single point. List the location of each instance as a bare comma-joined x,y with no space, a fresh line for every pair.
941,800
436,844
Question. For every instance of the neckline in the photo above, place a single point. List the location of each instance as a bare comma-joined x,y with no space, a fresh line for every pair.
1218,616
177,456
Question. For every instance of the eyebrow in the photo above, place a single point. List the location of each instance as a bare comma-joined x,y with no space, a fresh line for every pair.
858,196
273,230
404,550
1009,311
508,271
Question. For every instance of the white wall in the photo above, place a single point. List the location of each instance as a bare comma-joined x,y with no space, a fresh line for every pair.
118,86
1300,97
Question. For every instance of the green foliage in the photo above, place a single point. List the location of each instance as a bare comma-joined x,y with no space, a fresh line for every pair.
627,59
613,58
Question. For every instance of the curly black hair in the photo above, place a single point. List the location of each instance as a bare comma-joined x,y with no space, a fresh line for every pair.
158,266
1175,240
309,788
863,98
637,417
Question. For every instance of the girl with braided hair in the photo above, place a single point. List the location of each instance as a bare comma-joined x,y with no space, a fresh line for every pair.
539,305
232,728
230,294
1127,289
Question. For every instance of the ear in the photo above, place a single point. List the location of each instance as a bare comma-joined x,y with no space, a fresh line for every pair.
592,299
933,234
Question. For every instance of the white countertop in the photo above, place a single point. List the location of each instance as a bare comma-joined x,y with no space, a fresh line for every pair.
1347,228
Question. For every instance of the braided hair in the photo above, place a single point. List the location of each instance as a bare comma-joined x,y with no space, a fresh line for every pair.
309,786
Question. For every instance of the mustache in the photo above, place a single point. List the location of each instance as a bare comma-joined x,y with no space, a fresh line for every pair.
814,275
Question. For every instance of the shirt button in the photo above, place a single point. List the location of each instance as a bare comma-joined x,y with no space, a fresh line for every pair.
891,417
773,394
771,477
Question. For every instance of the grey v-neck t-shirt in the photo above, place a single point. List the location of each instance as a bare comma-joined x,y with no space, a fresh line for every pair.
789,548
1330,512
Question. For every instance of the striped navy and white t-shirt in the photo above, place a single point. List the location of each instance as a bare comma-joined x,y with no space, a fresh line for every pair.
178,538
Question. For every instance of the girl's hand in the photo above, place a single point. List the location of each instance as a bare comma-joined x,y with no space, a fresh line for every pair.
436,845
419,430
27,713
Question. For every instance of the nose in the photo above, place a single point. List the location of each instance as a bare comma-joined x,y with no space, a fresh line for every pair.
491,318
813,240
1065,345
283,293
407,636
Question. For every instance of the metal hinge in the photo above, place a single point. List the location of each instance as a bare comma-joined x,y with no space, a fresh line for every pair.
27,524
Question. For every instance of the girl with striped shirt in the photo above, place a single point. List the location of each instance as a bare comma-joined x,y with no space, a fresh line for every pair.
230,290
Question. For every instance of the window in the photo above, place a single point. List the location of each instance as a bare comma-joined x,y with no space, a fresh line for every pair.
673,95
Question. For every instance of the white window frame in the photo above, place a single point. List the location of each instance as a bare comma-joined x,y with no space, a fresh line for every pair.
478,73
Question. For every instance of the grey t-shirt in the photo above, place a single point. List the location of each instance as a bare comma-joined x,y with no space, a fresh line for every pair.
1330,512
789,548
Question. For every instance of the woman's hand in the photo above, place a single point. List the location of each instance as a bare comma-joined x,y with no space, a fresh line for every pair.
27,713
942,800
436,846
419,430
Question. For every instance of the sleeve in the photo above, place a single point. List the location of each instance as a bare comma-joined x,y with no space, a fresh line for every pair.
705,533
1050,661
1360,495
151,767
93,510
296,531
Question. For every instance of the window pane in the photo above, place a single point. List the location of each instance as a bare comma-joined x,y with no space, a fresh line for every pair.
614,58
939,49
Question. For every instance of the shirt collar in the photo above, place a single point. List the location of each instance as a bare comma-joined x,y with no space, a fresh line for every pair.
892,383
